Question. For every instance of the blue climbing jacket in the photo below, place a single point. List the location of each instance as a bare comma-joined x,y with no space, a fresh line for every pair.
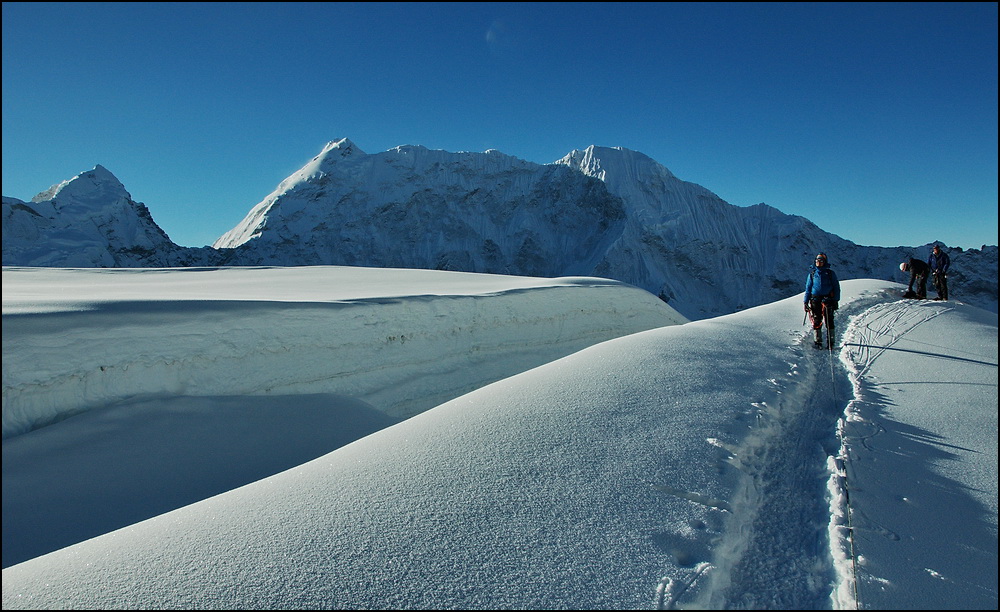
822,283
939,263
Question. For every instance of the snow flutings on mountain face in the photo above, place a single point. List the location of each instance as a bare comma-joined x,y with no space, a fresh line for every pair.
607,212
253,224
413,207
617,214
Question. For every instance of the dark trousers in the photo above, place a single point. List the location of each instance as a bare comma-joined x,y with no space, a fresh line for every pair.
921,281
941,285
816,313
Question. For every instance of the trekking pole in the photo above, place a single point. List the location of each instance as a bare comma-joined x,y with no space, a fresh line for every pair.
828,319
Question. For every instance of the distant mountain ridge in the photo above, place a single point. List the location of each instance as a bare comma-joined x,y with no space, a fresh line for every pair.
607,212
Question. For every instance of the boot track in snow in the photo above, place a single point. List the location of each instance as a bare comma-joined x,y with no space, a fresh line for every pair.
778,527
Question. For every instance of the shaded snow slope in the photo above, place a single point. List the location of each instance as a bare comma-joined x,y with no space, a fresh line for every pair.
349,331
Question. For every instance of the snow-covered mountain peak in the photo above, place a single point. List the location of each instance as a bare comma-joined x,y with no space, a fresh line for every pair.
419,159
406,149
585,161
88,221
415,206
343,147
601,211
94,187
334,152
614,162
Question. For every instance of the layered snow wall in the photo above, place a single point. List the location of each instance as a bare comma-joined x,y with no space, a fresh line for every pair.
74,340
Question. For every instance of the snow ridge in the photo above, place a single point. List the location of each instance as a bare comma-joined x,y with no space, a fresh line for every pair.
602,211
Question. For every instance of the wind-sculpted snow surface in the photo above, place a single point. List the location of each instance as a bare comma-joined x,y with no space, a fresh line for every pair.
400,352
686,466
934,431
584,482
350,350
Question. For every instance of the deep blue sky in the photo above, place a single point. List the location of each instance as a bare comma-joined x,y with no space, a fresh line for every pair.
877,121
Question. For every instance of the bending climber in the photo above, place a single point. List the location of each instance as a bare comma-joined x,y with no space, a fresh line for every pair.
919,271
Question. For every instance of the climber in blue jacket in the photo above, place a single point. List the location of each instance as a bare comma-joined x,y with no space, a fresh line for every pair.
822,296
939,263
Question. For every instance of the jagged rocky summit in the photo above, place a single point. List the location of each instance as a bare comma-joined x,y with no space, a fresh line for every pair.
607,212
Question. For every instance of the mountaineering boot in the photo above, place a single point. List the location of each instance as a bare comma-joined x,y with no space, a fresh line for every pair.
819,335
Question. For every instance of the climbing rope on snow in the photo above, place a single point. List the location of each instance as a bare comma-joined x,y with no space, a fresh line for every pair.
841,463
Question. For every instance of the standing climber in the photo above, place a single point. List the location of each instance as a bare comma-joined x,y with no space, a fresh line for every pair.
938,263
822,297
